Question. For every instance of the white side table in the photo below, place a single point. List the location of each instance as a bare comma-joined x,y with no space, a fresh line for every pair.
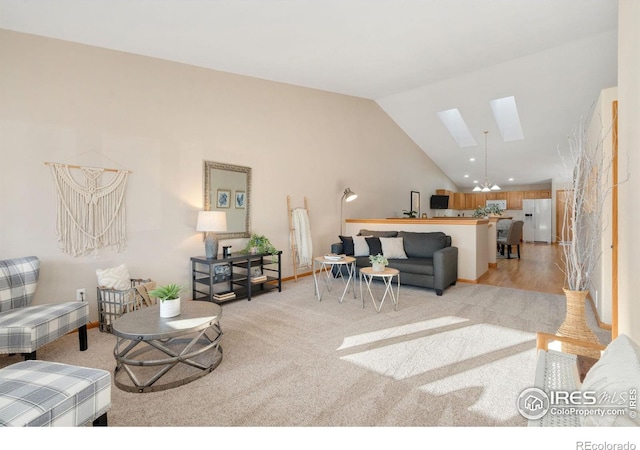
326,269
387,275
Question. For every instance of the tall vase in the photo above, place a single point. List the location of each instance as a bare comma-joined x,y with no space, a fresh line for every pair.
575,325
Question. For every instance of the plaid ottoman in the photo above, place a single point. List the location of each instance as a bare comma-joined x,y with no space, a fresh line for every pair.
41,393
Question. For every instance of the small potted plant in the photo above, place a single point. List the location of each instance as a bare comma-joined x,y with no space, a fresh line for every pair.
260,244
410,214
169,296
378,262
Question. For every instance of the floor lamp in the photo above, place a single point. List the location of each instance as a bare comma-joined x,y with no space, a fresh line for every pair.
211,222
348,196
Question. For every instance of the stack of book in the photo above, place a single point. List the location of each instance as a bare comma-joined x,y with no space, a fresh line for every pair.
226,295
258,278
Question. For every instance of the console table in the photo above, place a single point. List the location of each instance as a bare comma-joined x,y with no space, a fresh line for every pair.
241,276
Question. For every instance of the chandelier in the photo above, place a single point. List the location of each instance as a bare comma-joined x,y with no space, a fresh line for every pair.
487,186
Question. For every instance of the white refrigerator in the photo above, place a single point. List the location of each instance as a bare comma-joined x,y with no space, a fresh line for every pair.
537,220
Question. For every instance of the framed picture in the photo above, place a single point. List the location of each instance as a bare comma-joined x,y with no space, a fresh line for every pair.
240,199
223,199
415,202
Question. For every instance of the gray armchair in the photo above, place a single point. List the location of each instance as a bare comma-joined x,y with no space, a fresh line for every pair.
511,238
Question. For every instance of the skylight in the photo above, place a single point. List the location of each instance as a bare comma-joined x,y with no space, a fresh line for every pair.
452,119
505,112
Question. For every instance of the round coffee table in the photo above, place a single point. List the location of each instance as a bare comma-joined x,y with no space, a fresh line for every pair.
368,274
177,350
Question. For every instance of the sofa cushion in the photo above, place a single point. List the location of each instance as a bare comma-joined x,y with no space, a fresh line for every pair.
393,247
418,266
347,245
360,246
422,245
375,247
617,372
378,233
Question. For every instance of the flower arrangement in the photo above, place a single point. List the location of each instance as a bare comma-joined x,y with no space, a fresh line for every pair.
378,259
483,211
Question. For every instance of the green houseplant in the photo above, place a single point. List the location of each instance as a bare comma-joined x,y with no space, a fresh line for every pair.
378,262
169,296
260,244
409,214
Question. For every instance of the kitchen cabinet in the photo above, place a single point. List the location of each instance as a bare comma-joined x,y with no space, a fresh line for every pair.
514,199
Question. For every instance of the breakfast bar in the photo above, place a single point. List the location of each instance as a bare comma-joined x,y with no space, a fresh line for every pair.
470,235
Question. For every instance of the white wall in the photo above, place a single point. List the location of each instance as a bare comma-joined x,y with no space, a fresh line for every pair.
76,104
600,130
629,150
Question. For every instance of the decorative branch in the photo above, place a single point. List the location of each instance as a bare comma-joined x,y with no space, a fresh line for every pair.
583,219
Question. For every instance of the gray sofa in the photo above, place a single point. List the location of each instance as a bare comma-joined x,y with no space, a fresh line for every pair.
431,262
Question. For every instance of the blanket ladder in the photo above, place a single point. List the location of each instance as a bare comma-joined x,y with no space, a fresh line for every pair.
292,236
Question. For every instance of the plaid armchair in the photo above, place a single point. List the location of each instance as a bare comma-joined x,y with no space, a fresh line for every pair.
25,328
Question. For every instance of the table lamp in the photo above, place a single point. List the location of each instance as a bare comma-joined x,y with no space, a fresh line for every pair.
211,222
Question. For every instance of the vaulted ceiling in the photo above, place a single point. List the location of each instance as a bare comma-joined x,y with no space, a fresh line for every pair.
415,58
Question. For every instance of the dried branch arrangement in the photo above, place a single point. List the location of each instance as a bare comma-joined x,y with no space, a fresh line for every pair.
584,220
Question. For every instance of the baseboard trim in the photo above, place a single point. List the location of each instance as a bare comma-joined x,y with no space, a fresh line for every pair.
462,280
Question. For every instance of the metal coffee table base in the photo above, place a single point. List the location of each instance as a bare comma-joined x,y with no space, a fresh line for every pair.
179,351
154,353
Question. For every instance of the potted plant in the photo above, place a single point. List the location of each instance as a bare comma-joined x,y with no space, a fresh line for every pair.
409,214
169,296
260,244
378,262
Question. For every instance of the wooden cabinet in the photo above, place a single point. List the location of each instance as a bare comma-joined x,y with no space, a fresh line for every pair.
496,195
475,199
544,194
514,199
471,200
537,194
459,200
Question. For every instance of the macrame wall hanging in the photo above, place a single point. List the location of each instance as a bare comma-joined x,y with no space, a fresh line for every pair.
91,216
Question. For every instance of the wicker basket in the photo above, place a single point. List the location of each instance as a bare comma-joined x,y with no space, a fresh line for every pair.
112,303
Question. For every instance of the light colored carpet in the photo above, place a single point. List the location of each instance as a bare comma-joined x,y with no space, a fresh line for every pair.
456,360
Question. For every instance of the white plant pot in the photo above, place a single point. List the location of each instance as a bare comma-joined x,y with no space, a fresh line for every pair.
377,267
170,308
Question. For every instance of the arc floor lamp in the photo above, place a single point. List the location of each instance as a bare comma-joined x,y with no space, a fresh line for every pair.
348,196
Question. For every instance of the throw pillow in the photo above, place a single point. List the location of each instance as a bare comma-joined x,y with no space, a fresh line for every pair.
374,245
360,246
347,245
115,278
393,248
616,372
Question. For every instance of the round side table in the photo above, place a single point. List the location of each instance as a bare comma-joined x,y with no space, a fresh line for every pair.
367,274
326,269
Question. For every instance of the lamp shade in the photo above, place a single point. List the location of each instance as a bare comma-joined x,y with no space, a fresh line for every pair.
349,195
212,221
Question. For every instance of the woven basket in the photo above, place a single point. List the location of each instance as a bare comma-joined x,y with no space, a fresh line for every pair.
575,325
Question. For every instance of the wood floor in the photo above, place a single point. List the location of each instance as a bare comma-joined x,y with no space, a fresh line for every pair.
538,269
